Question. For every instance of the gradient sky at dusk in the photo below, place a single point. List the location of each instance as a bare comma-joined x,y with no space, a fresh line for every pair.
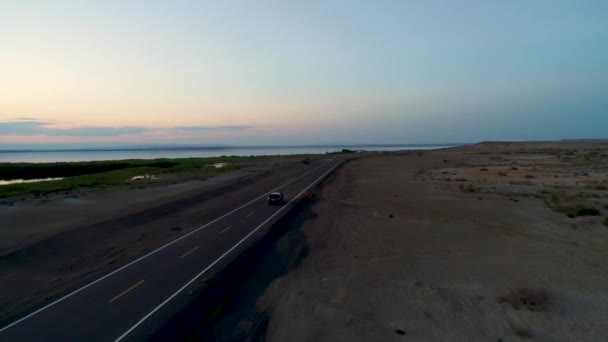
302,72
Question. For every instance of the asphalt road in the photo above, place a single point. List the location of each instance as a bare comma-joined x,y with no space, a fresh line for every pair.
116,305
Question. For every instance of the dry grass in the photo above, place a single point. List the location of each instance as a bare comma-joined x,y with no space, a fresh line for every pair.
468,188
571,210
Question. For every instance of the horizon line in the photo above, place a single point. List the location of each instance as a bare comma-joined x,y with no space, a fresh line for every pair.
186,147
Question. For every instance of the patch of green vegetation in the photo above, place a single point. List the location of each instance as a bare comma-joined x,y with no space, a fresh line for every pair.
570,210
101,174
216,312
569,153
344,151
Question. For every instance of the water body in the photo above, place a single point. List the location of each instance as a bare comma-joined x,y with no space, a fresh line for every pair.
20,181
39,156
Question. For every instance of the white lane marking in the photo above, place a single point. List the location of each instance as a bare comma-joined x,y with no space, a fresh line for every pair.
188,252
249,215
225,230
125,291
220,258
154,251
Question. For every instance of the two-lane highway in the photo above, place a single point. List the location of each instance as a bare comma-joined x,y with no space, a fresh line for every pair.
115,305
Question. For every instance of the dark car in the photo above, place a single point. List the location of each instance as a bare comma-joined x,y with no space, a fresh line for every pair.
276,198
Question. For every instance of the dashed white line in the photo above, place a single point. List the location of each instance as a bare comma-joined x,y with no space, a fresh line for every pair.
188,252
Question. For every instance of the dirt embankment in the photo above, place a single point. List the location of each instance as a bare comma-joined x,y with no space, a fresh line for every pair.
394,251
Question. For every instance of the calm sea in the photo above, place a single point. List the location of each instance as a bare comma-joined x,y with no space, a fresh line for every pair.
90,155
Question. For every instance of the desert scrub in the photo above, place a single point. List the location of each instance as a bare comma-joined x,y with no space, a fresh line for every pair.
529,176
606,222
571,210
500,173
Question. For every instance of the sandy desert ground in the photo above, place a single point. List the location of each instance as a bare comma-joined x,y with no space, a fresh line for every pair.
466,244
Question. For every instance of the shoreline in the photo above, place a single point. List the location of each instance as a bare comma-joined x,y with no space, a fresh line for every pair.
82,155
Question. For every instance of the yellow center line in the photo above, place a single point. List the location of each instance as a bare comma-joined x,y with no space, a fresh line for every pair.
125,291
251,213
188,252
223,231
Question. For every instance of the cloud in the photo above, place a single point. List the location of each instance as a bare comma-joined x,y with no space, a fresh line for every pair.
214,128
26,126
25,118
31,126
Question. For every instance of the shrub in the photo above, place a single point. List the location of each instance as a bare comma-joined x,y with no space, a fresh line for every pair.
500,173
571,211
514,168
583,211
529,176
606,222
483,169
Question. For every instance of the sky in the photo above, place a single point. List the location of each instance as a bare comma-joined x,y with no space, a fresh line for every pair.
302,72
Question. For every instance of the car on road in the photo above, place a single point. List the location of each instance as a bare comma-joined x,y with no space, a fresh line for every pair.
276,198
